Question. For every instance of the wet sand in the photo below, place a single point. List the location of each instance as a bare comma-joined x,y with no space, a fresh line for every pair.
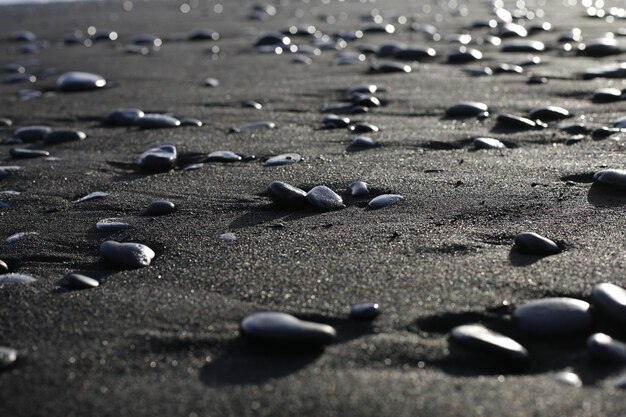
164,340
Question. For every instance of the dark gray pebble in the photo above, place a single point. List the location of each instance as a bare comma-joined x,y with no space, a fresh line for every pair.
389,68
480,338
251,104
78,282
203,35
333,121
464,55
363,142
160,208
5,122
91,196
253,126
415,53
384,200
122,117
358,188
284,159
325,199
365,100
188,121
600,47
128,255
511,121
16,279
22,153
287,195
614,177
549,113
488,143
4,268
535,244
8,356
554,317
604,132
362,89
80,81
364,311
523,45
510,30
606,95
606,71
22,36
272,39
341,109
31,133
285,328
60,136
363,128
466,109
223,156
611,299
160,159
604,348
156,121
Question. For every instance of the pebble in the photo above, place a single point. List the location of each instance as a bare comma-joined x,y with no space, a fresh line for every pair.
523,45
363,128
122,117
344,109
324,198
203,35
285,328
4,268
606,95
8,356
19,236
509,30
60,136
284,159
160,208
604,348
600,47
568,378
22,36
112,224
389,48
549,113
287,195
572,140
384,200
23,153
466,109
128,255
91,196
78,282
5,122
272,39
80,81
364,311
332,121
253,126
533,243
159,159
362,89
611,299
16,279
363,142
357,189
515,122
189,121
301,59
156,121
414,53
378,28
603,132
615,177
389,68
365,100
31,133
227,237
251,104
477,336
4,205
488,143
554,317
606,71
620,123
464,55
211,82
223,156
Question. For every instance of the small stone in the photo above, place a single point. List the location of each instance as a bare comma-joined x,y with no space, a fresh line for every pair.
60,136
285,328
511,121
332,121
253,126
488,143
5,122
572,140
91,196
480,338
203,35
569,379
575,129
8,356
324,198
415,53
389,48
606,71
600,47
344,109
284,159
363,128
189,121
549,113
301,59
466,109
160,159
464,55
535,244
365,100
378,28
78,282
156,121
23,153
211,82
390,68
606,95
287,195
611,299
554,317
112,224
227,237
614,177
122,117
80,81
523,45
272,39
223,156
604,348
128,255
31,133
19,236
357,189
160,208
509,30
364,311
22,36
16,279
363,142
620,123
4,268
362,89
507,69
251,104
384,200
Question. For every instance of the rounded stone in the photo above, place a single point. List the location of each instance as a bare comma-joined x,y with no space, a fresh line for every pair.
189,121
603,347
60,136
466,109
535,244
160,208
4,268
607,95
480,338
285,328
415,53
363,128
78,282
223,156
464,55
272,39
284,159
614,177
488,143
390,68
112,224
156,121
23,153
8,356
127,255
552,317
384,200
122,117
600,47
324,199
14,238
211,82
80,81
568,378
549,113
362,89
611,299
160,159
364,311
511,121
203,35
16,279
227,237
523,45
357,189
253,126
31,133
91,196
332,121
251,104
363,142
287,195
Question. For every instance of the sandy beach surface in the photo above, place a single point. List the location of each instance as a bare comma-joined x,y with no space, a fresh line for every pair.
165,339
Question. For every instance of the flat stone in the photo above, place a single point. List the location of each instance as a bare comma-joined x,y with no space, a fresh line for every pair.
363,142
227,237
415,53
287,195
251,104
365,100
122,117
464,55
80,81
480,338
156,121
14,238
333,121
4,268
127,255
285,328
23,153
549,113
22,36
614,177
620,123
78,282
515,122
569,379
16,279
159,159
607,95
203,35
384,200
364,311
488,143
503,68
357,189
509,30
189,121
301,59
600,47
325,199
378,28
272,39
554,317
604,132
606,71
284,159
160,208
60,136
211,82
390,68
362,89
466,109
8,356
91,196
611,299
603,347
523,45
29,134
112,224
223,156
389,48
253,126
344,109
535,244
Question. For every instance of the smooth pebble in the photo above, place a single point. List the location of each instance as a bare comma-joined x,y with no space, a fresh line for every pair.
552,317
285,328
127,254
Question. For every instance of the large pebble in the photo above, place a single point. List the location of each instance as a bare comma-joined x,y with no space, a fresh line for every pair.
333,121
536,244
80,81
78,282
488,143
8,356
466,109
324,198
614,177
156,121
160,159
478,337
549,113
511,121
364,311
128,255
16,279
284,159
160,208
285,328
600,47
23,153
384,200
31,133
122,117
223,156
611,299
558,316
464,55
287,195
358,188
60,136
607,95
604,348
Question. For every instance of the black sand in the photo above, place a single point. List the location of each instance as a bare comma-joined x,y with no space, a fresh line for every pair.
164,340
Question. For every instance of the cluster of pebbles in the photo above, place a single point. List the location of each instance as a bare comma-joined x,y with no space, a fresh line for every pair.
536,318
